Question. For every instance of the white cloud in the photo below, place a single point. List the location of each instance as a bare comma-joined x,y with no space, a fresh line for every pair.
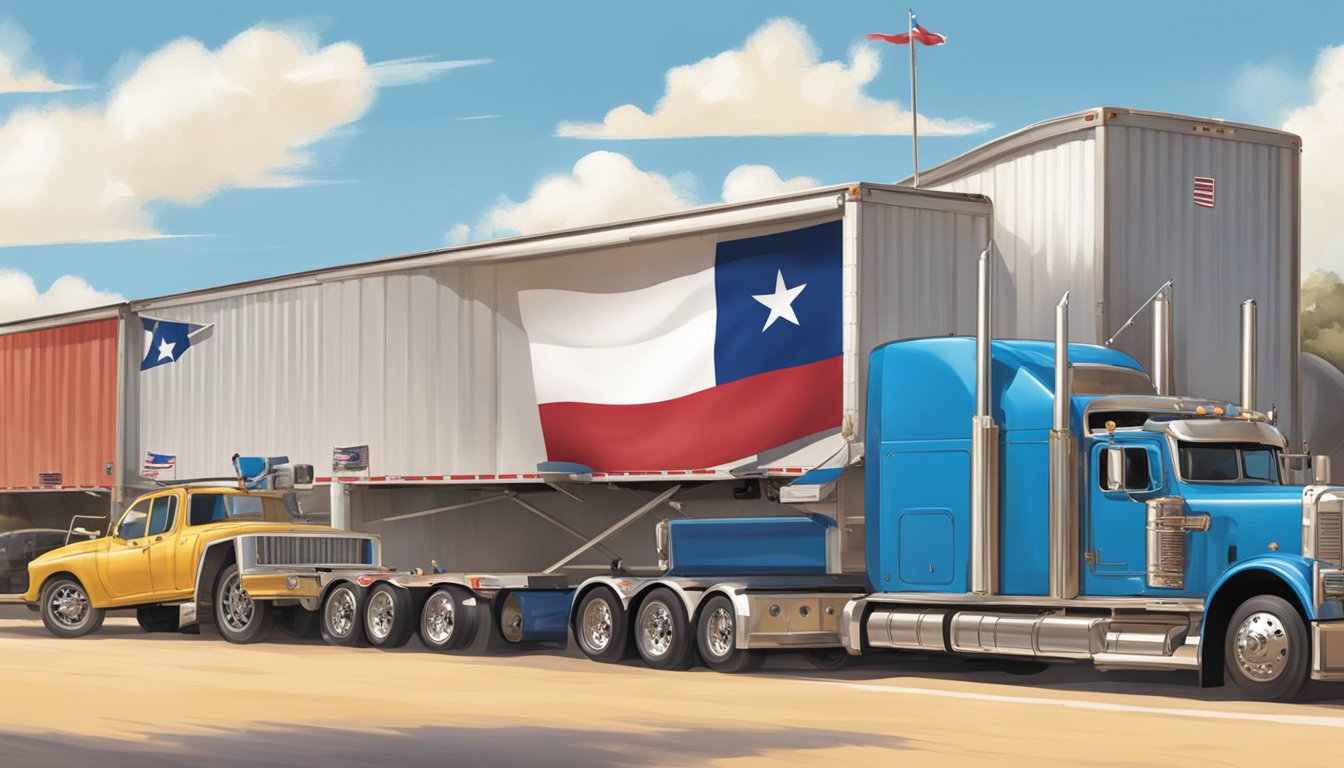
17,75
602,187
1321,126
184,124
1268,90
775,84
417,69
20,298
749,182
606,187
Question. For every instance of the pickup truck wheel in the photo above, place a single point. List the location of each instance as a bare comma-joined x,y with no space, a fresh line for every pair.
716,635
297,622
1266,649
446,624
66,610
239,618
662,634
601,627
387,616
157,618
342,616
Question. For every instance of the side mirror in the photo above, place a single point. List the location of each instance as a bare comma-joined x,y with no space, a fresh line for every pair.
1115,468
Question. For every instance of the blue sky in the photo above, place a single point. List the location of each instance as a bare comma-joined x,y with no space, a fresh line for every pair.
409,168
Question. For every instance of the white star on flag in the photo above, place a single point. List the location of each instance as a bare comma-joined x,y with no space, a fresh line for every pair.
780,302
166,350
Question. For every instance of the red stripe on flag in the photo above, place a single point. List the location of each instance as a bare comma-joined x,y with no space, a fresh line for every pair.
706,428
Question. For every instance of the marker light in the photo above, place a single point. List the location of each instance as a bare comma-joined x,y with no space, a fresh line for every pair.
1218,410
1200,410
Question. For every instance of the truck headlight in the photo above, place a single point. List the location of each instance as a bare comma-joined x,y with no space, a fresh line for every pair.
1332,584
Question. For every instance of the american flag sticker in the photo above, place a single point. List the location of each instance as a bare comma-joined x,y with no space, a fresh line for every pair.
1204,191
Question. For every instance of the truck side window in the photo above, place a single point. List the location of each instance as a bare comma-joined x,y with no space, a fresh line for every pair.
162,515
1138,475
133,522
206,508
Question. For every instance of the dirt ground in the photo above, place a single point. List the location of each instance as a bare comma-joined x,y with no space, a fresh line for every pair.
126,698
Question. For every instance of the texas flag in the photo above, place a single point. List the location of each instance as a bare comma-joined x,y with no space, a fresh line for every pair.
918,33
166,340
701,370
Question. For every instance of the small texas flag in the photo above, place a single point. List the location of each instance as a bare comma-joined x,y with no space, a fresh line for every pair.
921,34
1204,191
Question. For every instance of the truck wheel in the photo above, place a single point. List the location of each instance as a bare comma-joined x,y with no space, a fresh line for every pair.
716,635
341,615
829,659
66,610
662,633
240,619
296,621
600,626
156,618
388,616
445,623
1266,649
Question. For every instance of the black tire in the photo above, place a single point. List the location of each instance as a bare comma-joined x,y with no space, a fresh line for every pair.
66,609
829,659
297,622
342,616
389,616
716,637
448,619
663,635
238,617
602,627
157,618
1266,650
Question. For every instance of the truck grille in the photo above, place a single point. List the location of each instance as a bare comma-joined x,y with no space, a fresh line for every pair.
313,550
1330,534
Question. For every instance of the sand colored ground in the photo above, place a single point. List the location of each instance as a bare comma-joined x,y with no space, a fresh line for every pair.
122,697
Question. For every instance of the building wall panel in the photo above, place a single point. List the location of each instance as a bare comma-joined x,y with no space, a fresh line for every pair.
58,404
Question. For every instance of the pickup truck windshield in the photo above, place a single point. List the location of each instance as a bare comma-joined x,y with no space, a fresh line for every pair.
1229,463
216,507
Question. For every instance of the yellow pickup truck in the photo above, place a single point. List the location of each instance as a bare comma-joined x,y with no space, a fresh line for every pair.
183,556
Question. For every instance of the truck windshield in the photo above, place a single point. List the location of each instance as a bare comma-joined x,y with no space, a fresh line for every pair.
1229,463
216,507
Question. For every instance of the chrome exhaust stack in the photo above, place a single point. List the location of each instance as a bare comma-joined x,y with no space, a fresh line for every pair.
1162,341
1248,351
984,445
1063,468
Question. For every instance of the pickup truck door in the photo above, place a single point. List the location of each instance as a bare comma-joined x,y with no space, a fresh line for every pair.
161,540
124,565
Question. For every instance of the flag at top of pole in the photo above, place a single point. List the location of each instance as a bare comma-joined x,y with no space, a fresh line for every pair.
922,35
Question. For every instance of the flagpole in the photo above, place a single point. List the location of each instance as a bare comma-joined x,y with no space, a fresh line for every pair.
914,98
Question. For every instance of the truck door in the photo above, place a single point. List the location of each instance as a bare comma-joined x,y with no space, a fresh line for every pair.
161,540
124,565
1115,545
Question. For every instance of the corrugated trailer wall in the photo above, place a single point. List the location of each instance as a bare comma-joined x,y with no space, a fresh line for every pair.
1243,247
1101,203
58,406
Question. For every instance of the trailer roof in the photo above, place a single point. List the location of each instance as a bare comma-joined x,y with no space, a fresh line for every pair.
73,317
1091,119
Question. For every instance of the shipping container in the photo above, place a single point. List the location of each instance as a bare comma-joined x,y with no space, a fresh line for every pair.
1110,203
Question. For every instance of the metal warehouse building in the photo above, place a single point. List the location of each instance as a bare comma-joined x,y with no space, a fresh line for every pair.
425,358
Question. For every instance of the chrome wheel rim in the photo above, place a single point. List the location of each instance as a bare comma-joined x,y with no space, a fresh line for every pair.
237,606
69,606
340,616
440,618
1262,647
719,632
655,625
381,615
596,626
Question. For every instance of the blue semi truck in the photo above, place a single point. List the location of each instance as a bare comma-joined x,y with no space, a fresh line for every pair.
1022,499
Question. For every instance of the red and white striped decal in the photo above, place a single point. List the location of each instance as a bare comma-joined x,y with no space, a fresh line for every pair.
452,478
1204,191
